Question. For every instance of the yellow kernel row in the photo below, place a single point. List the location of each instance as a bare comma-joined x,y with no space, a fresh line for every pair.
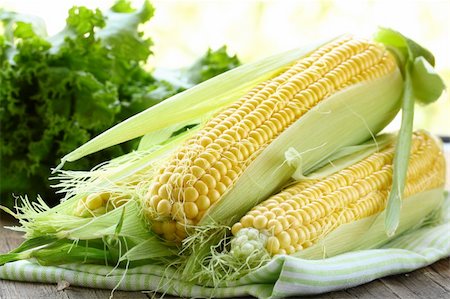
304,212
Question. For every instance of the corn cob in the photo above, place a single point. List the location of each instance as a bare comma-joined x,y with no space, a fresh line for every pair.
210,163
305,212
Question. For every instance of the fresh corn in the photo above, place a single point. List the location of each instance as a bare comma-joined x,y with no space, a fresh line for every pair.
315,106
305,212
211,162
99,203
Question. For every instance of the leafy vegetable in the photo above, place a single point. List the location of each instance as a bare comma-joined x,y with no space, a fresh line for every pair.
210,65
60,91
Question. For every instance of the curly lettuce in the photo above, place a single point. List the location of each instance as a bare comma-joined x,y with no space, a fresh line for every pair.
57,92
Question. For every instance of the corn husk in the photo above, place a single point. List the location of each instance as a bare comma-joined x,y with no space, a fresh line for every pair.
369,232
55,237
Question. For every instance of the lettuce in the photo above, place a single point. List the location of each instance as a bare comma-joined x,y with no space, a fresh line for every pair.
57,92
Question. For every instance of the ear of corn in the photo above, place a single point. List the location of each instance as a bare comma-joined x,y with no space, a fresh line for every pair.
343,211
210,175
302,214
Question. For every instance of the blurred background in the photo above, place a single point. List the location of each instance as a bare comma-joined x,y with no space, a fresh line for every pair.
42,120
182,30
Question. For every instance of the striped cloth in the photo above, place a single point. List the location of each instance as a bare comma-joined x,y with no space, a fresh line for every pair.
283,276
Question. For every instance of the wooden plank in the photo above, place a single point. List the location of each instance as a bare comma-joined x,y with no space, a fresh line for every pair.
83,293
375,289
439,272
415,285
8,239
12,289
333,295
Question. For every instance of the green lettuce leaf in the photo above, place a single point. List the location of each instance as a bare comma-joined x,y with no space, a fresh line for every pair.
58,92
210,65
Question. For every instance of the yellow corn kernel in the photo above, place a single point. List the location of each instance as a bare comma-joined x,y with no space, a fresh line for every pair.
98,203
333,201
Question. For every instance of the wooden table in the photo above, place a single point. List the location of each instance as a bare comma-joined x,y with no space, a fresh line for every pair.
432,282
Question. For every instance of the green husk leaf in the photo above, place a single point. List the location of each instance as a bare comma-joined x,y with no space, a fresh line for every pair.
62,252
428,85
117,236
157,137
126,221
340,159
405,48
33,243
422,84
66,252
401,159
149,249
369,232
110,224
137,166
201,100
11,257
119,224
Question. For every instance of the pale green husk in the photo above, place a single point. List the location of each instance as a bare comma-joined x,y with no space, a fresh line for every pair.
121,235
120,175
